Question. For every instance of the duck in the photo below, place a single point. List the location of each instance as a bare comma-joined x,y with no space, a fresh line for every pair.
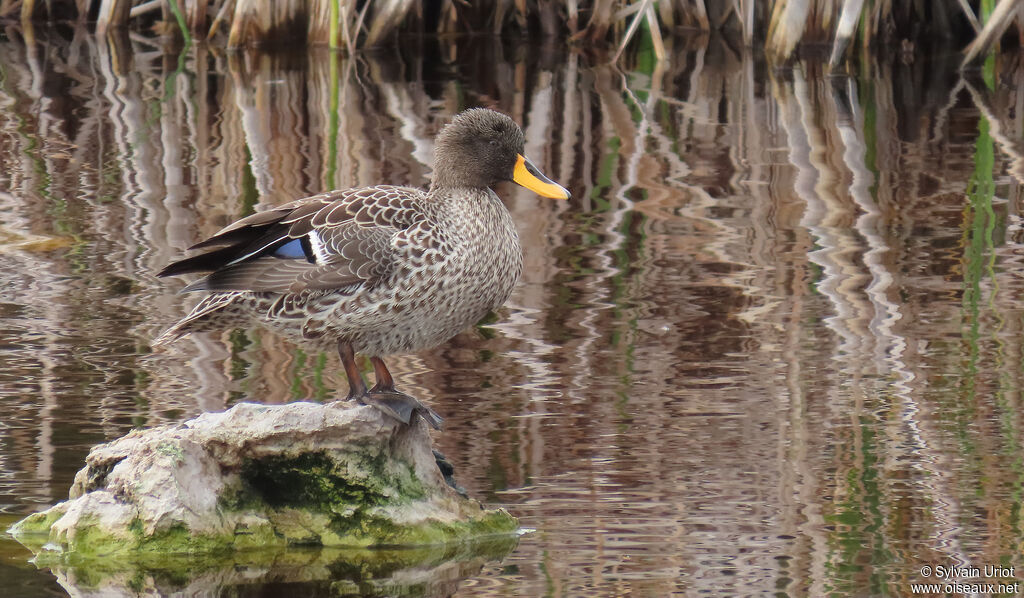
379,270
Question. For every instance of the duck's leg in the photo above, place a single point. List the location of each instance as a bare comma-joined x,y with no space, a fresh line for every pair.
397,404
356,386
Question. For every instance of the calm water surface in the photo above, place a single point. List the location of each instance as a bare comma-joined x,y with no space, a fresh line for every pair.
771,347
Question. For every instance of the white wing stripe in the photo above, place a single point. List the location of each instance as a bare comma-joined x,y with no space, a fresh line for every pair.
319,249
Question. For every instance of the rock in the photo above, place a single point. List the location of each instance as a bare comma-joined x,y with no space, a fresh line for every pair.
258,476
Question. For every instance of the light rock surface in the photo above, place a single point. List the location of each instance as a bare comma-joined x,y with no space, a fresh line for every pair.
261,476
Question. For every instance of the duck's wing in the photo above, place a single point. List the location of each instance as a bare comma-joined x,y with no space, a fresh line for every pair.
330,241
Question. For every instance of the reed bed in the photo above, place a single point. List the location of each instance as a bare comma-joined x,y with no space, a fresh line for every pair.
784,26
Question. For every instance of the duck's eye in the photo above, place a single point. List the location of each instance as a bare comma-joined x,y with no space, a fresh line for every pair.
494,143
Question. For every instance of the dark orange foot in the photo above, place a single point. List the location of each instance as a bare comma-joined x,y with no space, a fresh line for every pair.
396,404
400,406
383,395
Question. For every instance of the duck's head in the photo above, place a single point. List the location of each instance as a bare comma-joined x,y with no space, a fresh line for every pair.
481,147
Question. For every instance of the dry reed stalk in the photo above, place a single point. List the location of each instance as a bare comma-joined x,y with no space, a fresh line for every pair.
547,14
338,22
220,17
666,14
971,17
521,10
746,12
248,23
322,22
8,6
600,20
628,10
352,33
387,15
656,41
883,14
844,31
28,8
501,10
348,35
145,8
449,21
728,12
572,10
113,13
700,13
645,10
788,22
1004,14
820,23
195,14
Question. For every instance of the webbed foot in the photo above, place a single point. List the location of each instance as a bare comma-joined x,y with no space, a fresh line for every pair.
401,406
383,395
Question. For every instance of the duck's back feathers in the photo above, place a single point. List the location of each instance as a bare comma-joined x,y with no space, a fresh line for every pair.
328,241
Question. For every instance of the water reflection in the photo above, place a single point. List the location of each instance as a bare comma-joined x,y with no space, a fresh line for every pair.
772,344
433,571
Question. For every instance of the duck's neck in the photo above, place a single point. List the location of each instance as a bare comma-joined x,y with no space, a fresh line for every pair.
459,175
465,204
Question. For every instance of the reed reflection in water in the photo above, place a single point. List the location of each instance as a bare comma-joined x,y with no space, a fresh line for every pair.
772,345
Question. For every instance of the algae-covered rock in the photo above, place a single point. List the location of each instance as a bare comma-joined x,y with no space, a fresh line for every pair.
258,476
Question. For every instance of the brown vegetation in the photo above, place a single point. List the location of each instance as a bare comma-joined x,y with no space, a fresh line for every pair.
784,25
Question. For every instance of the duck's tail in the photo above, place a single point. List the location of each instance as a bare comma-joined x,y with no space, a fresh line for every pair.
198,319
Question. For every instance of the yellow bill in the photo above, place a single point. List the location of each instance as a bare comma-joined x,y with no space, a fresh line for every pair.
529,176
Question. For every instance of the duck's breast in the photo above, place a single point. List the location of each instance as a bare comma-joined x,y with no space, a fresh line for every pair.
461,262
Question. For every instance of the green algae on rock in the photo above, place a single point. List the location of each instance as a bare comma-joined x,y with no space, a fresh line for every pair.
259,476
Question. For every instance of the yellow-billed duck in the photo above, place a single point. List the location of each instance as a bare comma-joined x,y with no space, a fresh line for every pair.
377,270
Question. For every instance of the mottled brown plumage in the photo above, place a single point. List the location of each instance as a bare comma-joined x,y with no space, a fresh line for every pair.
376,270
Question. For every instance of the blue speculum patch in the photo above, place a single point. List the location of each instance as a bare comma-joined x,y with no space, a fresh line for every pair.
292,250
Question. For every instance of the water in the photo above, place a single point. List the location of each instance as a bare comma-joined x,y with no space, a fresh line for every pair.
772,346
